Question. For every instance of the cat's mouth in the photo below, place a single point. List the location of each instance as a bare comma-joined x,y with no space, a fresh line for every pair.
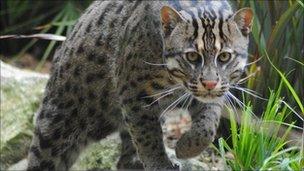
206,95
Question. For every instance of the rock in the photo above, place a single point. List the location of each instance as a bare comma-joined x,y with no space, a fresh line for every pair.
21,93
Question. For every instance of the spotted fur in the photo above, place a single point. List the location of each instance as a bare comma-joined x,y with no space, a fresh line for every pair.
124,65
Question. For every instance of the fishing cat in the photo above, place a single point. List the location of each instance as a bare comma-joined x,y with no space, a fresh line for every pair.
125,64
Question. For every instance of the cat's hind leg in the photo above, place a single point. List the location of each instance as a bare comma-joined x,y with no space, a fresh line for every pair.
57,140
128,158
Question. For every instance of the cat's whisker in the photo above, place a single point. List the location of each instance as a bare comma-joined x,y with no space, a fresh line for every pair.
230,103
190,101
154,64
186,100
253,62
252,93
159,98
173,104
241,104
241,81
293,111
163,92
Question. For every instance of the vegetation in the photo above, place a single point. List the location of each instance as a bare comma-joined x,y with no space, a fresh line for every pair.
259,145
276,62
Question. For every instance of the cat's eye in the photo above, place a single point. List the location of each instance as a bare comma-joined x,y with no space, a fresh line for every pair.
224,57
193,57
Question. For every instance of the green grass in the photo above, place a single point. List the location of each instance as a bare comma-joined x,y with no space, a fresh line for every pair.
258,145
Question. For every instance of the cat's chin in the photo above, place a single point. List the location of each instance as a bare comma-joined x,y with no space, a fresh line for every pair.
210,99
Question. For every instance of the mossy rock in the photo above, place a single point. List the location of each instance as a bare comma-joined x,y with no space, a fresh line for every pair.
101,155
20,98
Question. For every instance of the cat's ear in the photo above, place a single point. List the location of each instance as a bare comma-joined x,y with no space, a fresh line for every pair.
244,19
169,18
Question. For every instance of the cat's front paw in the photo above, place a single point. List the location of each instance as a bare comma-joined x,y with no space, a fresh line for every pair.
189,146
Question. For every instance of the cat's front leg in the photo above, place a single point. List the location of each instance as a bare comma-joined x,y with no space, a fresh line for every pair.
205,120
145,129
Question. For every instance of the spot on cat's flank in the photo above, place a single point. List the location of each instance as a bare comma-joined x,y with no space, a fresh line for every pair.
88,28
81,99
211,132
56,134
129,57
77,70
44,143
91,111
47,164
98,41
55,150
75,89
72,36
123,89
135,109
91,95
69,104
80,49
127,101
189,144
119,9
91,56
101,60
67,66
112,23
103,14
60,92
134,67
74,113
100,75
205,133
139,140
103,103
133,84
147,143
67,86
197,142
57,118
90,78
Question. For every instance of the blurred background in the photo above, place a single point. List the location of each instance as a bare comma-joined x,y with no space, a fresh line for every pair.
277,33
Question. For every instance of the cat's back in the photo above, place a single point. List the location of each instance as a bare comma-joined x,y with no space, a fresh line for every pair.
106,24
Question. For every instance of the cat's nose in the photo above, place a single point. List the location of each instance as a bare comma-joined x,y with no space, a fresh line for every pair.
209,84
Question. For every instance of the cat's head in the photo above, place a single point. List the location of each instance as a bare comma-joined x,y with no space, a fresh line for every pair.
206,49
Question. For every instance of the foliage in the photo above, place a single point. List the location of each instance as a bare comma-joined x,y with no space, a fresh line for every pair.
278,31
259,145
57,17
16,116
